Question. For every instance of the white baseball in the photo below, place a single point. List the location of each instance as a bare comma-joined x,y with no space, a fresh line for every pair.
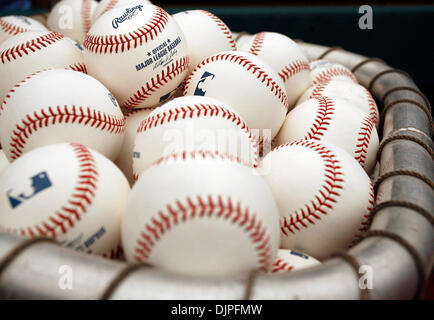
247,84
205,34
324,196
56,106
13,25
285,57
323,71
106,5
346,90
192,123
4,163
139,53
200,218
334,121
242,38
67,192
125,159
290,260
72,18
26,53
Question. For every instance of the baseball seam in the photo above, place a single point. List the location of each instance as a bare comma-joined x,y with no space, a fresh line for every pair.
172,71
322,120
109,6
62,114
372,106
120,43
114,253
363,139
85,15
249,66
197,111
328,74
11,28
294,68
79,67
76,205
365,222
280,265
223,27
258,41
192,208
324,199
195,154
30,46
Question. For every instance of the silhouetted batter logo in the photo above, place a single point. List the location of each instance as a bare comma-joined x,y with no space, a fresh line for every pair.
40,182
207,76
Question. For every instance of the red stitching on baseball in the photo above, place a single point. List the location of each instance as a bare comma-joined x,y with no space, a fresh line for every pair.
85,15
222,27
280,265
257,43
193,154
196,111
26,48
62,114
172,71
110,6
11,28
323,117
120,43
114,253
79,67
192,208
8,95
363,139
330,73
293,69
372,106
76,205
250,66
365,222
323,201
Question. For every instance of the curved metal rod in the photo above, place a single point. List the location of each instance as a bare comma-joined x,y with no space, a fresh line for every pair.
398,251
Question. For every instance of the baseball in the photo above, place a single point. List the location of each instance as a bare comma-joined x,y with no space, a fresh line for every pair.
285,57
106,5
124,161
290,260
67,192
247,84
334,121
346,90
217,226
4,163
72,18
56,106
324,71
205,34
324,196
13,25
139,53
192,123
26,53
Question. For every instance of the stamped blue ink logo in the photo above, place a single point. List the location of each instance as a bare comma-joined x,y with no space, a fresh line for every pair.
199,88
113,99
299,254
128,15
40,182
